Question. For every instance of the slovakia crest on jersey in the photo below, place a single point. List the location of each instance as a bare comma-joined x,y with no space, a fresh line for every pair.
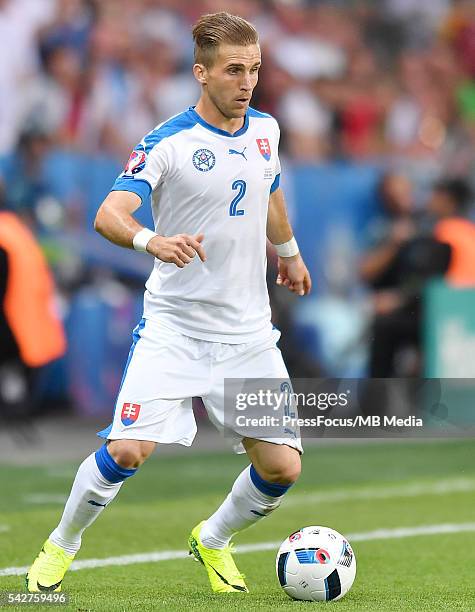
264,147
136,162
130,413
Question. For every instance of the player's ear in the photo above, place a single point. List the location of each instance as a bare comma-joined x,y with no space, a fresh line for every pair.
200,72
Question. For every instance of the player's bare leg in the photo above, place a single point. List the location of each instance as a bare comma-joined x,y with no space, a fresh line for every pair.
276,463
257,492
98,480
130,453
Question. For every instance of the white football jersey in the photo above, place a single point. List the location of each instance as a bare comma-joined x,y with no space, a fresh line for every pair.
204,180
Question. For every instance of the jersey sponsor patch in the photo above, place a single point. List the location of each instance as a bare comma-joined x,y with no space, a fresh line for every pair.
130,413
136,162
204,160
264,147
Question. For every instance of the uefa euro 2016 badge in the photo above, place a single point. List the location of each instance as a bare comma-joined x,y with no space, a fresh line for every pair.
204,160
136,162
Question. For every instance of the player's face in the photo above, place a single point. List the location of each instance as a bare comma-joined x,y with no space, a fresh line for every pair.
230,81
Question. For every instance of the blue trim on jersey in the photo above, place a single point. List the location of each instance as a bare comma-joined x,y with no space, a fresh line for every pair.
104,433
112,471
216,130
275,184
183,121
274,489
252,112
139,186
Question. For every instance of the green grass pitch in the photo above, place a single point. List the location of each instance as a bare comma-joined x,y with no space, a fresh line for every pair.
355,488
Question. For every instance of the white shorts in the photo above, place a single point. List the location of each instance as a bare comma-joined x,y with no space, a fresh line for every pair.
166,369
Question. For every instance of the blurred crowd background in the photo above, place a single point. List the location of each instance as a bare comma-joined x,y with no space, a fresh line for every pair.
376,103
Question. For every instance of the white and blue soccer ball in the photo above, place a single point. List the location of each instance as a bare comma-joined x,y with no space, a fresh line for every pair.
316,564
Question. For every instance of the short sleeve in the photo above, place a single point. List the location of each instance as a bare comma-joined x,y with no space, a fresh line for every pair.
143,172
276,183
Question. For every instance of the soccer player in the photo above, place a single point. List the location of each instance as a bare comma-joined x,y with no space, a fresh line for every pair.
212,175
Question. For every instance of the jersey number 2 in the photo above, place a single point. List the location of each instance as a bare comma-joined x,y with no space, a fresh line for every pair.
241,187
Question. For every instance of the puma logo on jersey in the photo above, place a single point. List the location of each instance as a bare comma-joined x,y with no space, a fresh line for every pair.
234,152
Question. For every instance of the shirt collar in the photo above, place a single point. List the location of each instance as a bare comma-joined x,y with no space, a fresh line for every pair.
216,130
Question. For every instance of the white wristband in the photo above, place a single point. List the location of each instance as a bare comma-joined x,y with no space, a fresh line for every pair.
142,238
287,249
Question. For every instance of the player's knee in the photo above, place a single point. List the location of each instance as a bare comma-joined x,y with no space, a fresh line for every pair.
287,474
286,471
130,454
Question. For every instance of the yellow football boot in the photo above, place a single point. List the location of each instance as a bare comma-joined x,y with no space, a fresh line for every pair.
223,574
48,569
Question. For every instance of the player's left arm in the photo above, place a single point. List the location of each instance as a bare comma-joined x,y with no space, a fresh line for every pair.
293,272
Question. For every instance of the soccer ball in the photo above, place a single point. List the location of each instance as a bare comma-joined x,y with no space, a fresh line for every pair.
316,564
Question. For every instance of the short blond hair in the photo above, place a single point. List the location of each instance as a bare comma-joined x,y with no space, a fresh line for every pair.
215,29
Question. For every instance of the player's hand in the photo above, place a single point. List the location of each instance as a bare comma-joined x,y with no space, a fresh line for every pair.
179,250
294,275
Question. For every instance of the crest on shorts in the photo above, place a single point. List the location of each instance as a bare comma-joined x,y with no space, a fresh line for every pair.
264,147
130,413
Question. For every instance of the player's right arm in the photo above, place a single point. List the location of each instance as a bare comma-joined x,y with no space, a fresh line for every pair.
115,221
147,166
